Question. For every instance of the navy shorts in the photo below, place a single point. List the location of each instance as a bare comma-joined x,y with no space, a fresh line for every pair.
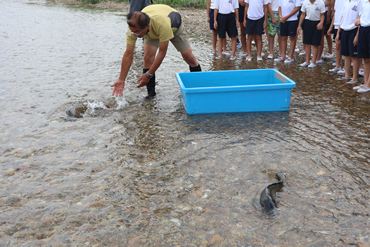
312,36
241,13
226,23
346,43
212,19
289,28
335,33
363,42
254,26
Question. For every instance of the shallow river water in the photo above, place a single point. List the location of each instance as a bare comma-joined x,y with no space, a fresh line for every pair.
148,174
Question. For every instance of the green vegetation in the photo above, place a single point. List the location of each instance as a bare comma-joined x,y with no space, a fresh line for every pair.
173,3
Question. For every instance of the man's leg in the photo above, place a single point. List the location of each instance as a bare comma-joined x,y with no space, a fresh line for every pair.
149,56
190,59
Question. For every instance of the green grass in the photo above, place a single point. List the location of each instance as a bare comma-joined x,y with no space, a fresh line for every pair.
172,3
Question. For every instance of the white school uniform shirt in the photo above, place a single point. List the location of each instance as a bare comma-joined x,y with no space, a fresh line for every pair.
338,13
313,11
212,4
350,13
327,7
274,5
226,6
256,9
287,7
365,13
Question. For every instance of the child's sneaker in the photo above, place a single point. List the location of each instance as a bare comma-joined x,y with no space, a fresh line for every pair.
341,72
226,53
279,59
318,61
303,52
288,60
335,69
249,59
296,49
328,55
312,65
238,44
259,59
270,56
361,72
305,64
244,54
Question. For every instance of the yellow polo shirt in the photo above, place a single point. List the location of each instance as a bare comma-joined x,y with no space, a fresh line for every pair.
164,21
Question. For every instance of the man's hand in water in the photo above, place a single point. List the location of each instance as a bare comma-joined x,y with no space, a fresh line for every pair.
118,87
144,79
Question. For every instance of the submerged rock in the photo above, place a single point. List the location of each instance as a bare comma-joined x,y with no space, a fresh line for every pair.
268,195
77,111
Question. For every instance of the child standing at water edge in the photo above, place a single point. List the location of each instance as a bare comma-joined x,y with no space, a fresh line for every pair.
226,19
210,20
273,26
348,44
313,15
255,21
338,5
288,12
364,43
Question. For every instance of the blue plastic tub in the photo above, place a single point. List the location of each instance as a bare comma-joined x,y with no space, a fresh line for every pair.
235,91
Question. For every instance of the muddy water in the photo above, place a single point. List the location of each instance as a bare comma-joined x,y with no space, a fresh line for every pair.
146,173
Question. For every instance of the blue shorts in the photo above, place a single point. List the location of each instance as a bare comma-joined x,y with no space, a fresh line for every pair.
254,26
212,19
363,42
335,33
289,28
346,43
241,13
312,36
226,23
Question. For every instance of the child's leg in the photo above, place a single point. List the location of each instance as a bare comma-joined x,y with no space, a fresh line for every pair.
243,37
233,45
220,44
347,66
224,44
320,48
338,57
271,40
329,40
280,44
315,53
355,68
284,45
293,42
214,40
307,49
258,40
249,44
367,72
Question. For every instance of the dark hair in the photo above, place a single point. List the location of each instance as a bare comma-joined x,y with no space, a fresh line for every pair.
140,18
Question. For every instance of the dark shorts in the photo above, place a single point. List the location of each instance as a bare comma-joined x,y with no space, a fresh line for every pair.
335,33
226,23
241,13
289,28
312,36
363,42
254,26
346,43
212,19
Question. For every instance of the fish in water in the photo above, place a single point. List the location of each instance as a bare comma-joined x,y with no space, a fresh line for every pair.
268,195
79,110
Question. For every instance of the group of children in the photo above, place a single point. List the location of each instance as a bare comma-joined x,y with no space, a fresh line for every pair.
347,20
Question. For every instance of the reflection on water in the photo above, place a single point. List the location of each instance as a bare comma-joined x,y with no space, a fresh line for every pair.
148,174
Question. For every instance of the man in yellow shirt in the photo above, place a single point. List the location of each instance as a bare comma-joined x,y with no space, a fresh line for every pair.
158,24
